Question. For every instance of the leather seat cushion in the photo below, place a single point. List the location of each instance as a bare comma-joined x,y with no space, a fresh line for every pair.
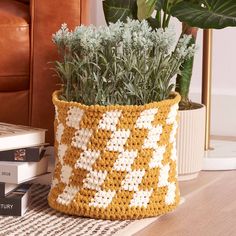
24,1
14,107
14,45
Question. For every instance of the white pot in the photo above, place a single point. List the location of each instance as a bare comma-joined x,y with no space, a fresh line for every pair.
190,142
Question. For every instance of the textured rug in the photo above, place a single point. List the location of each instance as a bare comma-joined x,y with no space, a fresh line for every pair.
41,220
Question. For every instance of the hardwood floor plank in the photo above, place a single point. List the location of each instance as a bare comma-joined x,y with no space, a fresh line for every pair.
209,209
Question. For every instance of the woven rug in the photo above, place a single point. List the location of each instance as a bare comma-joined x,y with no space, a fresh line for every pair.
41,220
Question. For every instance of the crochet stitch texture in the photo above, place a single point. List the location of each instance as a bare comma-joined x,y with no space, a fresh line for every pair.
115,162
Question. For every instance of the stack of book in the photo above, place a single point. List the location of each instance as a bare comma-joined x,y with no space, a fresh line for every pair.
22,158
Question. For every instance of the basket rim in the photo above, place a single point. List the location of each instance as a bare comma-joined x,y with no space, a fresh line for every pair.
167,102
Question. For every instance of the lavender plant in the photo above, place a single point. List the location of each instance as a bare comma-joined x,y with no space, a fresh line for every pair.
123,63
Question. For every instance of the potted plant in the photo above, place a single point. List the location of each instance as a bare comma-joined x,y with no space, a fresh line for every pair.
115,122
194,14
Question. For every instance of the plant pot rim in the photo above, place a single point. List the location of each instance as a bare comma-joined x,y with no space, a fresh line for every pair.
102,108
201,106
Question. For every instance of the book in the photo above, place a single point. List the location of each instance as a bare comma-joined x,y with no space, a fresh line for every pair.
18,172
6,188
18,136
29,154
17,202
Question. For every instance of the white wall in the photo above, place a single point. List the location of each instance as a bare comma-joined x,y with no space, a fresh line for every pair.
223,120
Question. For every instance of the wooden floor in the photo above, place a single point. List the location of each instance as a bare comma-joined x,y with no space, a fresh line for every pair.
209,208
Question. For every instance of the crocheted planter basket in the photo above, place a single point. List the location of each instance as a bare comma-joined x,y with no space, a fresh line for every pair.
115,162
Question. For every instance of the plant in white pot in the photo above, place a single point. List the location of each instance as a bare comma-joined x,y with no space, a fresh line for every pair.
115,122
194,14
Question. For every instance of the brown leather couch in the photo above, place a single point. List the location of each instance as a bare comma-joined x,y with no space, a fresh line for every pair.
26,48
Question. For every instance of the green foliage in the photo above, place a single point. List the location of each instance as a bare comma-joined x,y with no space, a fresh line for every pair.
215,14
123,63
135,9
146,8
119,10
204,14
183,83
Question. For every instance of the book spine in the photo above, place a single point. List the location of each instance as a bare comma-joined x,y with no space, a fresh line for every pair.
23,154
2,189
8,174
15,173
17,202
22,139
10,207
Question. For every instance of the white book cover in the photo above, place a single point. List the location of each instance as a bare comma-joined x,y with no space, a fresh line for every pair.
18,136
44,178
18,172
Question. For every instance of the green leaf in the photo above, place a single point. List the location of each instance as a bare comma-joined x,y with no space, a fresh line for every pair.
166,5
159,5
184,78
145,8
214,14
154,23
119,10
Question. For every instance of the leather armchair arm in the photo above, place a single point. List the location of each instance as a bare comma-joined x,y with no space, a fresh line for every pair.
46,18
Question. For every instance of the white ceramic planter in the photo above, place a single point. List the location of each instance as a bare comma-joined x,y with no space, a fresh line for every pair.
190,143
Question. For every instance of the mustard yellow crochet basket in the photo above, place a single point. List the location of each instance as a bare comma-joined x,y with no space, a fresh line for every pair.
115,162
